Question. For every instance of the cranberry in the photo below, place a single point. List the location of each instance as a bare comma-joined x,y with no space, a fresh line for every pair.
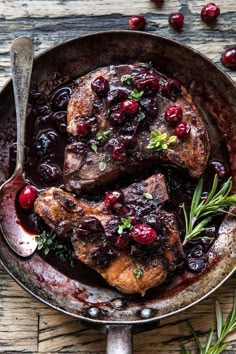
196,265
197,251
61,98
219,168
111,227
210,12
120,210
116,116
129,107
59,119
35,223
229,57
45,142
49,173
171,88
130,141
182,129
122,241
83,128
176,20
143,234
146,82
116,96
173,114
137,22
27,197
88,227
111,198
102,256
153,221
100,86
150,106
118,152
43,113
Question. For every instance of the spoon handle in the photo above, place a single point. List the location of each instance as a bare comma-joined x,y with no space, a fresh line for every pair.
21,54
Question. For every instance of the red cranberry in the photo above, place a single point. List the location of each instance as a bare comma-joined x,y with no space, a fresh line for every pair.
117,117
83,128
100,86
130,141
176,20
122,241
61,98
153,221
143,234
229,57
171,88
102,256
150,106
182,129
49,173
129,107
118,152
146,82
113,197
116,96
111,228
120,210
210,12
88,227
173,114
219,168
27,197
137,22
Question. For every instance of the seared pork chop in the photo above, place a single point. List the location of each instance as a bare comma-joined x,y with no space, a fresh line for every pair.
82,165
125,264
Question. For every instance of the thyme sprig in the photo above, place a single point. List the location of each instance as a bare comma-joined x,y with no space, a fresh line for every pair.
201,211
125,225
159,141
223,330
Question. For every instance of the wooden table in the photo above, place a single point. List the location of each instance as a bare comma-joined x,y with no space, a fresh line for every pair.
25,324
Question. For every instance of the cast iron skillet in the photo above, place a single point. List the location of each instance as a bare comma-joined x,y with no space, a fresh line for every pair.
100,306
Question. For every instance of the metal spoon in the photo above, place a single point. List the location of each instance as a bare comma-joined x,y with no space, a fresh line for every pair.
22,243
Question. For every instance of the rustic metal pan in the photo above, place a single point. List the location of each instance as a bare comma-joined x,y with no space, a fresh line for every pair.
100,306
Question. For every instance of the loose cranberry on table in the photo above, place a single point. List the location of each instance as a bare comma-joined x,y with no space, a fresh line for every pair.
210,12
176,20
229,58
83,128
173,114
146,82
219,168
182,129
27,197
129,107
143,234
100,86
111,198
137,22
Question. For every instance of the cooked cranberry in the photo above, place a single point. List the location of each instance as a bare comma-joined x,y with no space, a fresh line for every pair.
111,198
35,223
64,229
122,241
120,210
111,143
130,141
153,221
182,129
49,173
59,118
176,20
116,116
143,234
196,265
229,57
61,98
102,256
150,106
43,113
83,128
46,141
219,168
146,82
111,228
137,22
129,107
77,148
100,86
133,219
88,227
171,88
197,251
27,197
173,114
210,12
118,152
116,96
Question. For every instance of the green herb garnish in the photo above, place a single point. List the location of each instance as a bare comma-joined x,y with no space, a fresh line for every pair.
148,195
136,95
126,79
104,240
201,211
223,330
125,225
102,135
159,140
138,272
94,148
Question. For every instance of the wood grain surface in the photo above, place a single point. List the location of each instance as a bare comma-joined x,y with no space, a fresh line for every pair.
25,324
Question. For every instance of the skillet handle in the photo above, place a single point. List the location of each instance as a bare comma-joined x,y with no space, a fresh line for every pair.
119,339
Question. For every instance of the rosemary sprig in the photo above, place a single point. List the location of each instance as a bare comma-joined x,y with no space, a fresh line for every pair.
223,330
201,211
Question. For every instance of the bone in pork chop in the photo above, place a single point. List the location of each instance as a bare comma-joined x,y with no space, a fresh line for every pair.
110,139
124,263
